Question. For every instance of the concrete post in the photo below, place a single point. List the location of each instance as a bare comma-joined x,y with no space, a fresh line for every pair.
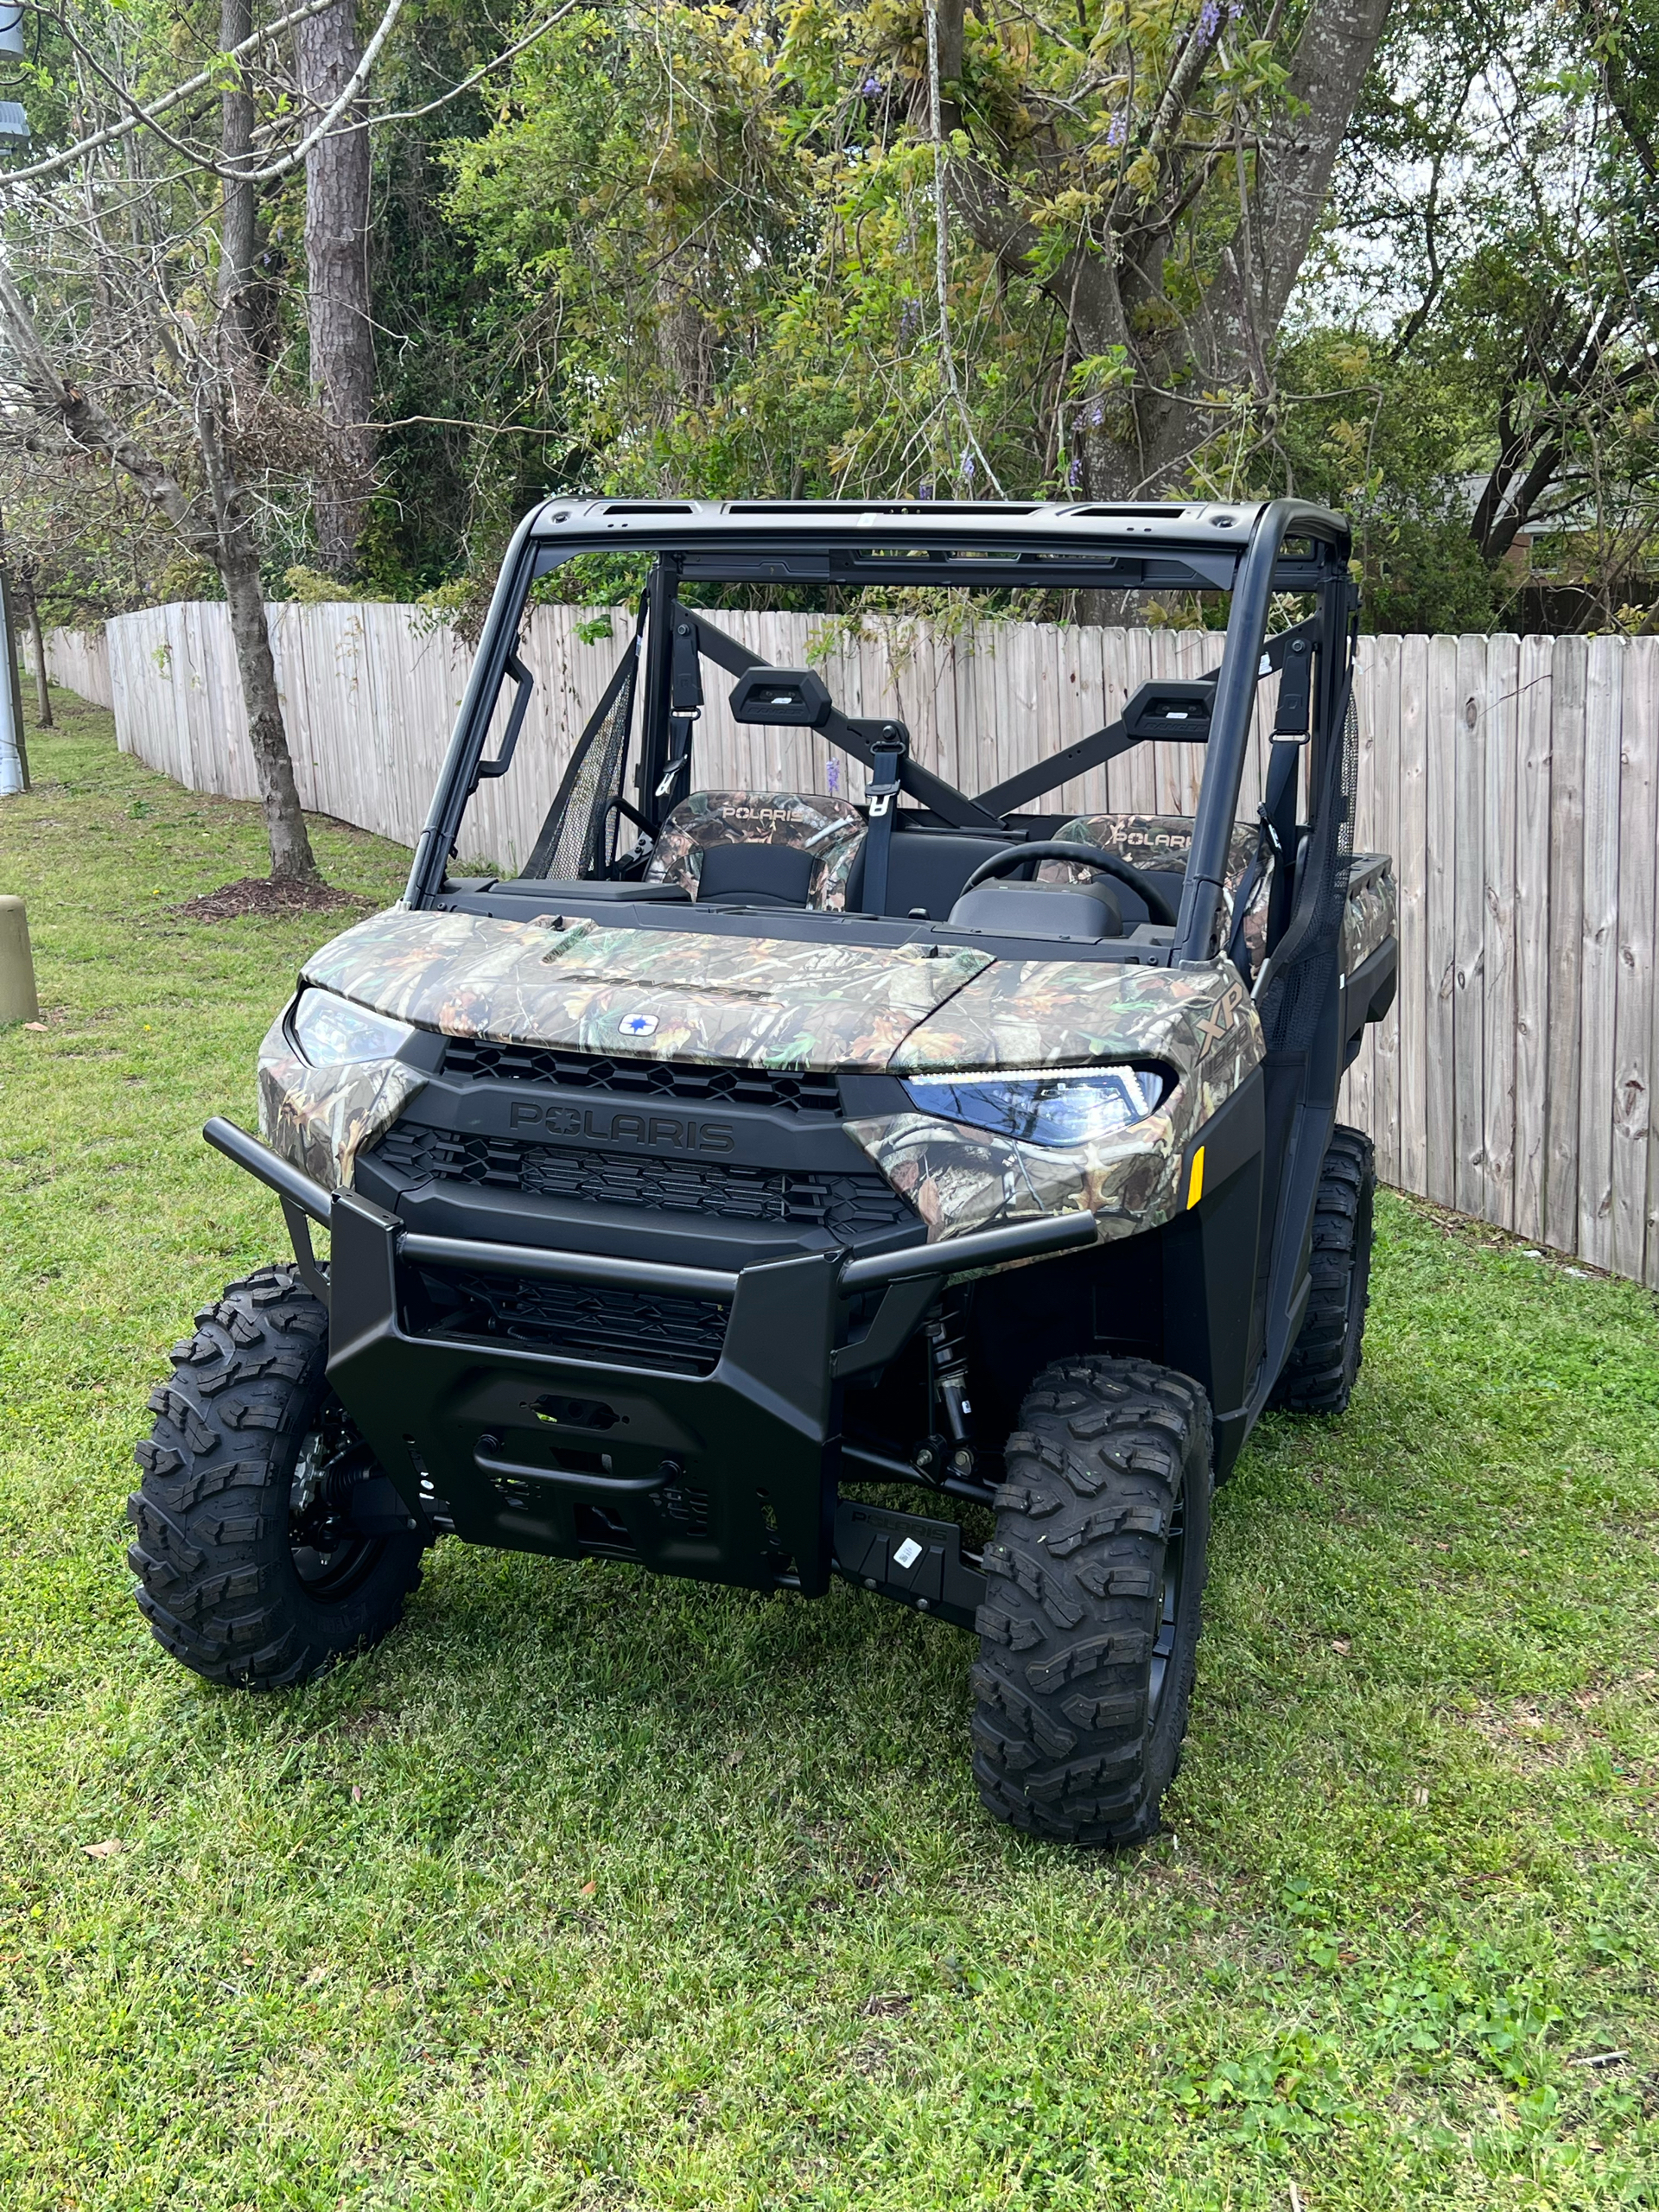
17,1000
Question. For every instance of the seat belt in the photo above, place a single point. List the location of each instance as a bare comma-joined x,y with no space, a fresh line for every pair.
685,698
1281,775
1292,652
886,757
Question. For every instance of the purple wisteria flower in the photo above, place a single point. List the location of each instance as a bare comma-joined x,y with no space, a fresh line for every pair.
968,467
871,88
1209,20
925,489
1074,475
1117,130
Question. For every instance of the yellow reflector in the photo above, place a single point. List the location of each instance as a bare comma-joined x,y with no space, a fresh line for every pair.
1195,1181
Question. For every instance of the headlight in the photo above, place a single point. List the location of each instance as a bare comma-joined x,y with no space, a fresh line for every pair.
330,1030
1046,1106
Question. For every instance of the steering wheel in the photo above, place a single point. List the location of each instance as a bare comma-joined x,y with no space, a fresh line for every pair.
1061,849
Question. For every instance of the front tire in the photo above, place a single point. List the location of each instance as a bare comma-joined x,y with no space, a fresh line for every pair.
1089,1633
249,1568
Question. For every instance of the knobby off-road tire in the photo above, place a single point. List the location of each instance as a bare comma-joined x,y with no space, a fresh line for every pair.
1320,1372
244,1574
1088,1632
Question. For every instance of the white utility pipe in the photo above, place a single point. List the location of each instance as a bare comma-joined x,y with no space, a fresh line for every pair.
11,753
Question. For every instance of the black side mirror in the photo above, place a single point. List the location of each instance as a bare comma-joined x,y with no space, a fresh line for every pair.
792,697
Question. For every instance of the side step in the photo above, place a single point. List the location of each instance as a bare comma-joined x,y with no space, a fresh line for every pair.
914,1561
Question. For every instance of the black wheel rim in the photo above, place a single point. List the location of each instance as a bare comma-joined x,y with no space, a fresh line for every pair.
1169,1601
330,1557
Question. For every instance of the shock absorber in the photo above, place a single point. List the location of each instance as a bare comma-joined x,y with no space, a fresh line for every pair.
947,1350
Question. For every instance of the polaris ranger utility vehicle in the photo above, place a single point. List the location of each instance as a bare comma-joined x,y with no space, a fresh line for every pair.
749,1154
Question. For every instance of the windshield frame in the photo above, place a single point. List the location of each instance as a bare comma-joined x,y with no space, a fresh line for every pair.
1253,553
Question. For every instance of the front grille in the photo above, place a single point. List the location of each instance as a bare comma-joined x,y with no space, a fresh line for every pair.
676,1336
796,1091
846,1207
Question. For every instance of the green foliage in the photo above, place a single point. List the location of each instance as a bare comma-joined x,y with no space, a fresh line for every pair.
314,587
1392,448
698,252
691,249
713,238
1495,238
586,1889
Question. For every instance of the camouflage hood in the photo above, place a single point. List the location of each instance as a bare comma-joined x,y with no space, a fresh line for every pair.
668,994
684,995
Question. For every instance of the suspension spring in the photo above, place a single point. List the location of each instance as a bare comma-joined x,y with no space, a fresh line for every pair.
947,1350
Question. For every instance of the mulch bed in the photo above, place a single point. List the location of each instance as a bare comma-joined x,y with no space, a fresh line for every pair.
258,894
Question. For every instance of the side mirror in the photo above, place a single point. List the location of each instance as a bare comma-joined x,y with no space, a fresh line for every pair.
782,697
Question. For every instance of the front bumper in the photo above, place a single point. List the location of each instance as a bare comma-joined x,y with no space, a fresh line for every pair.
729,1474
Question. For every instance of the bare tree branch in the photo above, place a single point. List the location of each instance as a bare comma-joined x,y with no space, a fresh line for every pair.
140,117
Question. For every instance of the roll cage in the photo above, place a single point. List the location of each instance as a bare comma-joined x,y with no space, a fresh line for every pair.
1254,553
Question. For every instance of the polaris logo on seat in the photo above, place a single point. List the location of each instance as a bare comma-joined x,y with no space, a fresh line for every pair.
621,1125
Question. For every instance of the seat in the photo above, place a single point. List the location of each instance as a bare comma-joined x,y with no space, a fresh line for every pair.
756,875
827,831
1088,911
1159,844
927,869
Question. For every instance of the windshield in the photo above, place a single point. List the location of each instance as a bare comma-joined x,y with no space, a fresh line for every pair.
983,703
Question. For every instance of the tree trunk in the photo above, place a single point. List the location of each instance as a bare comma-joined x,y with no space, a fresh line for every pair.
236,227
37,643
337,282
226,538
684,348
291,859
1135,439
236,556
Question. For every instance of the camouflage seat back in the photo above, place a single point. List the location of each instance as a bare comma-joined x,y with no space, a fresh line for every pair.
830,830
1160,843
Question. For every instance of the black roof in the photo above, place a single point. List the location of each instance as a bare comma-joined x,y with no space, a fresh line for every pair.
1173,541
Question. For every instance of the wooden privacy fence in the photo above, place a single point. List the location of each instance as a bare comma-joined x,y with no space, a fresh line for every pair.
80,660
1514,781
371,693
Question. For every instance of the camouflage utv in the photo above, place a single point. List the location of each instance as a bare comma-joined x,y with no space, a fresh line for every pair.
751,1162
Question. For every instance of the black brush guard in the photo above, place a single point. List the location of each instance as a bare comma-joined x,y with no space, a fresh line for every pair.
728,1476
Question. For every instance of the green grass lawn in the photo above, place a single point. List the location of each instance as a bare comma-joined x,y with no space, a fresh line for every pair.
589,1889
